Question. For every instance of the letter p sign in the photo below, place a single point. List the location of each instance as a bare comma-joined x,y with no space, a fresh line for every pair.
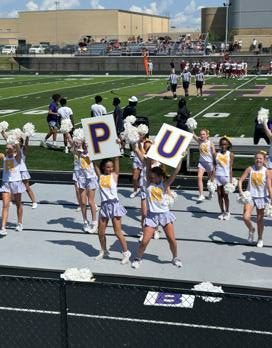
100,135
99,132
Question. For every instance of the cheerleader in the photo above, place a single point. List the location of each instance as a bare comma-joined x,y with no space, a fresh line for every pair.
223,175
111,208
137,168
85,180
207,155
12,185
158,213
257,186
23,169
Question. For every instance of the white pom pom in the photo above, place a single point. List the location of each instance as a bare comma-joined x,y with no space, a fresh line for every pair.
209,287
78,134
12,139
18,133
268,210
79,275
245,198
130,119
143,129
3,126
263,116
29,129
235,182
229,188
66,126
211,186
131,135
191,123
171,198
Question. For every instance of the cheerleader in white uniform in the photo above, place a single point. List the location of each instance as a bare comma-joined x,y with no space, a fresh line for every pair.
223,175
86,184
12,185
257,186
111,208
206,160
158,213
24,171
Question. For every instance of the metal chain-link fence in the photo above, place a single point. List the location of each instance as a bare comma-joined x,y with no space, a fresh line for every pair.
52,313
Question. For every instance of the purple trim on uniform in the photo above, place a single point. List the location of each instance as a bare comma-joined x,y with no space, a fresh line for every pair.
207,166
13,187
258,202
25,175
222,180
137,164
86,184
155,219
111,209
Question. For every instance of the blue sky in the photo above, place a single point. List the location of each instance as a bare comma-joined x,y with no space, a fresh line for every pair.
183,13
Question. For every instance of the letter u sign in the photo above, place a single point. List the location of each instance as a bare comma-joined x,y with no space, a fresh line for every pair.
169,145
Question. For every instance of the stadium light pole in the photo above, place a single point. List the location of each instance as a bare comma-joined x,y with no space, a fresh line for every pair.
227,6
57,3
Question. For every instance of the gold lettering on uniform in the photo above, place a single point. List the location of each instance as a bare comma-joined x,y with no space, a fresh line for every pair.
222,160
204,149
9,165
257,179
105,181
85,162
156,194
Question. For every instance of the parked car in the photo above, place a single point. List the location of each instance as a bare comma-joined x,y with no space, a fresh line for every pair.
9,49
53,49
38,49
69,49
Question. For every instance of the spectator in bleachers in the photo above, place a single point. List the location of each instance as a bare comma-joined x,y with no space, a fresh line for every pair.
98,109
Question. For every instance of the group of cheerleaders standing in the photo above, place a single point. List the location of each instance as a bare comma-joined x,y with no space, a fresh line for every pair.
154,189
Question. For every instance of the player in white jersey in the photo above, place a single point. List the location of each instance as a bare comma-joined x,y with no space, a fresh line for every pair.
11,185
199,80
186,80
223,175
150,68
206,160
158,212
258,184
111,208
65,113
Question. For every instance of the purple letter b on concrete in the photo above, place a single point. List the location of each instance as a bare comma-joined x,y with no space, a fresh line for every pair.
105,134
175,149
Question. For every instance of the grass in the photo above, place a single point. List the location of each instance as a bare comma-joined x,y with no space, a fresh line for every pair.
25,93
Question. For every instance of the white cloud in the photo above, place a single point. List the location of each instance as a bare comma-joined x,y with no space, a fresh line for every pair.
32,6
189,17
152,8
51,4
13,14
95,4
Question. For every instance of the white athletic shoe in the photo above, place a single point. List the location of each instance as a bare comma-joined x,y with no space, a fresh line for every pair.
43,143
3,232
221,216
136,263
126,256
78,209
156,234
102,254
19,228
94,227
86,227
260,243
177,262
134,193
34,205
226,216
201,198
251,236
211,195
66,150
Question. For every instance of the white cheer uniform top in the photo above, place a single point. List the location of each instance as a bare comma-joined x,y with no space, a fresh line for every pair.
108,188
223,164
257,182
22,164
205,151
156,198
11,170
86,168
76,162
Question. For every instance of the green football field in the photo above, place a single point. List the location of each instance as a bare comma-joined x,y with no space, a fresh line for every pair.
227,107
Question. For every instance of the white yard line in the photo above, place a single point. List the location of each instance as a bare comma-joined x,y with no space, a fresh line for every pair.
140,321
224,96
52,89
78,98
